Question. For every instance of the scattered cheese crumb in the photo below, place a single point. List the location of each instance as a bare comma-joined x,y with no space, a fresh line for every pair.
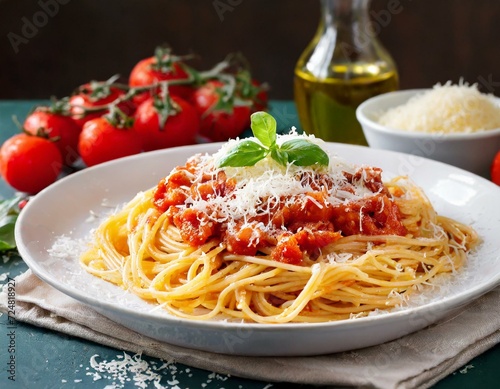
65,247
466,369
119,370
132,368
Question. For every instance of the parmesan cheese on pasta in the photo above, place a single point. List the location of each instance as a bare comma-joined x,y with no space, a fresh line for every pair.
267,179
446,109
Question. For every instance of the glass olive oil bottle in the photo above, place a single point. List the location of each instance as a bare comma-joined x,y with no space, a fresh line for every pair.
343,66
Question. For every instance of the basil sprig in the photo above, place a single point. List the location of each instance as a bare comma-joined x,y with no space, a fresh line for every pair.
300,152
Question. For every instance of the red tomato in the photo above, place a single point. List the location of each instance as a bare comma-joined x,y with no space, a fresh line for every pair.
62,129
219,124
180,128
30,163
495,169
101,141
159,68
90,96
22,203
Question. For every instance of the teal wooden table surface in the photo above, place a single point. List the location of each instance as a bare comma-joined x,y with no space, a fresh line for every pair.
46,359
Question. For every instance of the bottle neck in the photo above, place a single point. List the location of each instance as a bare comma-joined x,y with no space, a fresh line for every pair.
347,23
344,13
345,43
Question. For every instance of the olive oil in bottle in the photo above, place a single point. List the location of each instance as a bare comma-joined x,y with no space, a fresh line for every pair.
343,66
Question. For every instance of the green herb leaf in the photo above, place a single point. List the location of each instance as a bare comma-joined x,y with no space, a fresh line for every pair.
280,156
301,152
264,128
245,153
9,212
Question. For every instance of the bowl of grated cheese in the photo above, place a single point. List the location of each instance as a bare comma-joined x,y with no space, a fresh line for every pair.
454,124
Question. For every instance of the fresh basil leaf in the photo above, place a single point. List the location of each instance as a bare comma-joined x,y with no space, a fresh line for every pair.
9,212
245,153
264,128
304,153
280,156
7,240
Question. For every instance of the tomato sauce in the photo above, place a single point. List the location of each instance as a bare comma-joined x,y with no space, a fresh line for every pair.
291,229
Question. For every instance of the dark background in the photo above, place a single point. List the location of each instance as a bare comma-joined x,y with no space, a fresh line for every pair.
82,40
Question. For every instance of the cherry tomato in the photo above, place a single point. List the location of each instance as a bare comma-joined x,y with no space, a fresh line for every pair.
60,128
96,94
219,122
23,203
162,67
180,128
102,141
495,169
30,163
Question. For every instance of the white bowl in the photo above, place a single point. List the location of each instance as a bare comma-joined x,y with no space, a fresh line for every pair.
470,151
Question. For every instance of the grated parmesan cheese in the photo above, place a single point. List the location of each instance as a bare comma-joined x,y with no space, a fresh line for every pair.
133,368
446,109
260,187
128,369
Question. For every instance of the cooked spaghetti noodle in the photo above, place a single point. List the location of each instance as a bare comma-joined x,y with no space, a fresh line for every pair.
275,244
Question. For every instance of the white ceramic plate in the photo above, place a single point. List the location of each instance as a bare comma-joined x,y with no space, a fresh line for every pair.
64,208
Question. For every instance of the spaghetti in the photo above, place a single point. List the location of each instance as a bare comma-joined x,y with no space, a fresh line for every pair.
276,244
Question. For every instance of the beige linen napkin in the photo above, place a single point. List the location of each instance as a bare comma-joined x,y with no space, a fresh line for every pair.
418,360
